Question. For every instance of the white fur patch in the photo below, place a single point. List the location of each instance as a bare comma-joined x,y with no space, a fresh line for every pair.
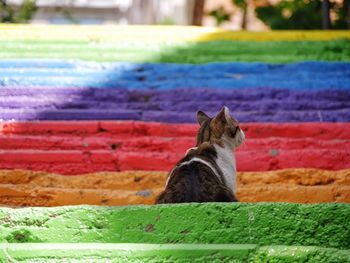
226,159
227,163
239,138
227,113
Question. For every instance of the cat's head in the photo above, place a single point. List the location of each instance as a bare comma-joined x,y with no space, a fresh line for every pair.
222,129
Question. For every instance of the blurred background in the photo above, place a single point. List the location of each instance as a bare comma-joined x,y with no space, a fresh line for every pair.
257,15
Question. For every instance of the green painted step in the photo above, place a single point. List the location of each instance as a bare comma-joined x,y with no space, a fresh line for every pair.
203,52
102,252
323,225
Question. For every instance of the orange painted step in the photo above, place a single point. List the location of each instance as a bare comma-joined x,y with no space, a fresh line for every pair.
28,188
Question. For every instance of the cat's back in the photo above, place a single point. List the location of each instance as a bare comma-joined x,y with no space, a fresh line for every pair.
194,180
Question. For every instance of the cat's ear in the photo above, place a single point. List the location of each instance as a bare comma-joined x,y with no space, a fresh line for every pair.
202,117
224,115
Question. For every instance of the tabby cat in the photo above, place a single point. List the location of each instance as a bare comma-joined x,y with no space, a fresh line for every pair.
207,173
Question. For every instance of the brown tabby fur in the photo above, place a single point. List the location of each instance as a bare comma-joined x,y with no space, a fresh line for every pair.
194,181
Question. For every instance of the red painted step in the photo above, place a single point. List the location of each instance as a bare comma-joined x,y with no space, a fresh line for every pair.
79,147
76,162
154,144
322,130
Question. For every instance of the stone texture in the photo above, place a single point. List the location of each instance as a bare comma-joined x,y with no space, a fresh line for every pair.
227,76
28,188
179,52
255,92
75,148
97,252
145,34
324,225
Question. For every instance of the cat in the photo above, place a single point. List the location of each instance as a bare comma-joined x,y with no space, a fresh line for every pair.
207,173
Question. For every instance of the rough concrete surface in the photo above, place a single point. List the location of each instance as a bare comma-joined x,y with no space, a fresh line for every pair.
196,53
82,147
35,87
146,33
101,252
176,105
28,188
154,76
324,225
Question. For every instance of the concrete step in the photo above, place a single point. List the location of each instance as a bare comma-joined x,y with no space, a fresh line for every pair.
341,115
318,130
324,225
303,76
81,147
27,188
146,34
159,143
131,252
75,162
123,50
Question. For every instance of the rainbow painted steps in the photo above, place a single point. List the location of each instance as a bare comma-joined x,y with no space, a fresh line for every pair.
35,89
256,92
324,226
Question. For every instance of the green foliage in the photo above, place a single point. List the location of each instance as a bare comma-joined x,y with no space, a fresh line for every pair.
299,14
290,14
341,11
240,3
25,13
296,14
6,13
220,15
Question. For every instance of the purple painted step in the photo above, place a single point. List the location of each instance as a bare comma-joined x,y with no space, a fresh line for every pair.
249,105
176,116
265,104
28,114
252,116
175,95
